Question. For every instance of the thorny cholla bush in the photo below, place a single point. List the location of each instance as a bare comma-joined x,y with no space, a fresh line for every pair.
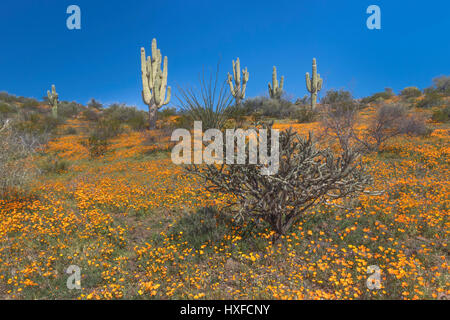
307,176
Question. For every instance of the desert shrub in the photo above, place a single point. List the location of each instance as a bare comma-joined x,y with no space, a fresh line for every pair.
96,145
30,104
211,104
94,104
135,118
441,114
338,115
107,128
379,96
53,164
70,131
386,124
197,228
69,109
410,92
6,97
36,125
307,176
272,108
166,113
413,125
15,161
304,114
337,97
305,101
91,114
99,135
442,84
138,123
432,98
6,109
159,139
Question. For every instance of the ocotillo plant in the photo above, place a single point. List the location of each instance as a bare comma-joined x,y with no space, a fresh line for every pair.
314,85
276,91
238,90
53,99
154,82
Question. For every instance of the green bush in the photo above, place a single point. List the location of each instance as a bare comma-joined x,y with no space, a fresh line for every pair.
167,112
30,104
442,114
69,109
304,114
107,128
379,96
53,164
97,146
91,114
34,123
431,99
271,108
136,119
410,92
201,226
95,104
6,108
442,85
100,134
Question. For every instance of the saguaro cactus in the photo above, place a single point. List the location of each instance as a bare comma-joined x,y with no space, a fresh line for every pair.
53,99
238,90
154,82
314,85
276,91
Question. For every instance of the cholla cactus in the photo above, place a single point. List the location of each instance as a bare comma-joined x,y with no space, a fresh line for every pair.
314,85
276,91
238,90
53,99
154,82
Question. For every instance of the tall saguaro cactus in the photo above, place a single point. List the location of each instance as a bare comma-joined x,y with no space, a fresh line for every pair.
314,85
238,90
154,82
276,91
53,99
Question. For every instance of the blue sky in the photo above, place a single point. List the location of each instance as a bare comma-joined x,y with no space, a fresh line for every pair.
102,60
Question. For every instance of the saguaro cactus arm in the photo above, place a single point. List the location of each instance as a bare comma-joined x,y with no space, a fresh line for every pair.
53,99
238,89
276,91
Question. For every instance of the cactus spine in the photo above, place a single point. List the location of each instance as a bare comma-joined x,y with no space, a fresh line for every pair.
238,90
154,82
53,99
314,85
276,91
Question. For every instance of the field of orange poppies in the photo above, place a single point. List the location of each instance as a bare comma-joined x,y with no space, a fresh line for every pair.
139,227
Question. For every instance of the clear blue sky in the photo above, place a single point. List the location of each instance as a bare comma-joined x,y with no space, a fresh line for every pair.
102,60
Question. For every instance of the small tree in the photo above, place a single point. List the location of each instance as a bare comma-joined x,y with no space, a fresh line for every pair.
307,176
338,116
411,92
386,124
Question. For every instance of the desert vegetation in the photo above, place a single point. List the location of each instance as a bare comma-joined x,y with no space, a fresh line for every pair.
361,182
